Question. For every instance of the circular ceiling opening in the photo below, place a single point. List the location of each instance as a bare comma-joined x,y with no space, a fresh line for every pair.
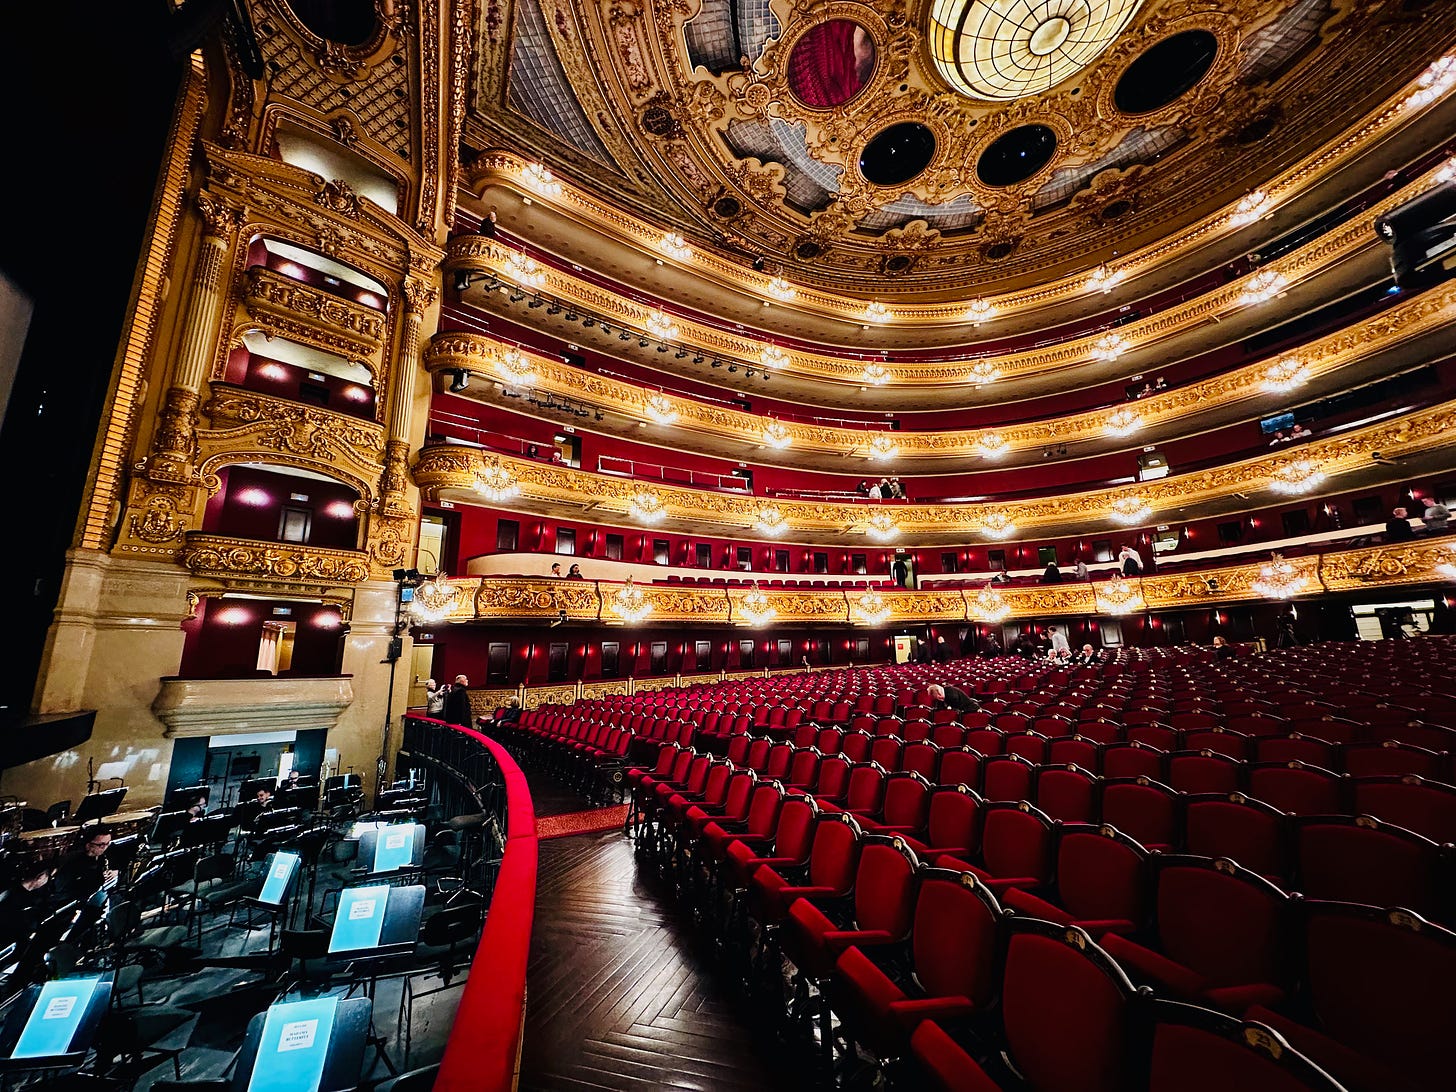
1015,156
831,63
348,22
1166,72
1008,49
897,154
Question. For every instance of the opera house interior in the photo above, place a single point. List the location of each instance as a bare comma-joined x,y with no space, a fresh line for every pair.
730,544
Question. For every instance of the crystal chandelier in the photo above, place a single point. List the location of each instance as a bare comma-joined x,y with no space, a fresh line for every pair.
1447,173
647,507
770,521
1263,286
773,357
882,527
524,270
988,606
660,409
883,447
1434,82
877,312
542,180
434,599
983,372
871,608
876,375
979,310
1118,596
1285,374
1251,206
776,434
1279,579
780,289
630,604
1123,422
516,367
674,245
997,525
991,444
660,326
1296,476
1448,567
1104,279
755,607
1109,347
496,482
1131,510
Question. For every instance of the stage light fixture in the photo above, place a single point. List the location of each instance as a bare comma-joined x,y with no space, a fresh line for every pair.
460,382
462,280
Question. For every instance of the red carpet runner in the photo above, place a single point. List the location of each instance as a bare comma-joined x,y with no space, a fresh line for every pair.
581,822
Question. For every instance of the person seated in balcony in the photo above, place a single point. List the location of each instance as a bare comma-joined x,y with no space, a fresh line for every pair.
1398,528
574,573
876,492
1222,650
1081,570
556,569
863,488
1086,657
897,489
1001,577
1278,439
1435,517
1051,574
1130,560
943,696
1300,433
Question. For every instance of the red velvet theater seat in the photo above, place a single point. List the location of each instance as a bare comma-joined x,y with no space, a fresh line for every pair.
1146,810
833,859
942,1065
1017,848
1248,832
1199,1050
1296,788
1360,859
953,826
1101,883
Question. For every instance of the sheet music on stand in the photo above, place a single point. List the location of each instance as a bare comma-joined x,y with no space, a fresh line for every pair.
305,1045
52,1025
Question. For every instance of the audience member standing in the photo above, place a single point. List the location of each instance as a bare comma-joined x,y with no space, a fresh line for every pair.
1435,517
1082,573
901,572
435,695
1398,528
457,702
1061,648
1052,574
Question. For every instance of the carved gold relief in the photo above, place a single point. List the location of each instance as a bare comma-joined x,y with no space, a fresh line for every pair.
267,291
220,556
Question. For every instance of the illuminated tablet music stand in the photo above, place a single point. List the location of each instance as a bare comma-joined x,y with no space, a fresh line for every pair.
398,847
52,1024
310,1045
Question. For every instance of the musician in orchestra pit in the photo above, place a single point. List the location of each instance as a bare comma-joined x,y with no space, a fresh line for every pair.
23,902
82,872
197,809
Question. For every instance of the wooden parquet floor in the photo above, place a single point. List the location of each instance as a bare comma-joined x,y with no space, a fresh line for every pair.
621,995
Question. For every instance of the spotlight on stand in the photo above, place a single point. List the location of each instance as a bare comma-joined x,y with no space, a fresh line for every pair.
462,280
460,382
555,309
758,264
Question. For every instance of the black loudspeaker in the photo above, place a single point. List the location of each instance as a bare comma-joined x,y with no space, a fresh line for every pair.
1422,236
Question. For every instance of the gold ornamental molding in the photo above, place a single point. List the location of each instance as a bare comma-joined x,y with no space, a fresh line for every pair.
267,292
497,598
1431,310
272,564
713,100
277,430
479,254
457,469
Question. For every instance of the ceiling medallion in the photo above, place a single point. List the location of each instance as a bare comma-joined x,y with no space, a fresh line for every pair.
984,372
647,508
882,527
1285,374
1008,49
1251,207
773,357
630,604
883,447
755,607
1433,83
1117,596
979,310
780,289
1278,580
660,326
660,409
876,375
997,525
871,608
1109,347
1123,422
992,445
775,434
496,482
988,606
1103,279
770,521
1296,476
1131,510
516,367
1262,287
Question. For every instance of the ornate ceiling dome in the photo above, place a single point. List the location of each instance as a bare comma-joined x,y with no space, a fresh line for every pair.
1009,49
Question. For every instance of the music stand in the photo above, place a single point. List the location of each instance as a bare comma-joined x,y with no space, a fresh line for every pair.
311,1045
53,1023
210,830
168,827
183,798
98,805
376,921
343,781
31,959
392,848
249,788
275,895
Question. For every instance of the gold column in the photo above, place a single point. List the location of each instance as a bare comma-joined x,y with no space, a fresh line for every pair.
419,296
175,441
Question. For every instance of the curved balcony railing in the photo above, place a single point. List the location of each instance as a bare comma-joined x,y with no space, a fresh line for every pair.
475,774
